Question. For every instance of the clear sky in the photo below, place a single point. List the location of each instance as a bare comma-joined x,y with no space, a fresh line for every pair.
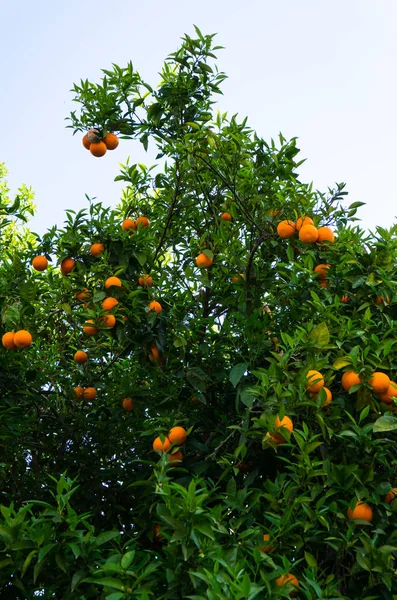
321,70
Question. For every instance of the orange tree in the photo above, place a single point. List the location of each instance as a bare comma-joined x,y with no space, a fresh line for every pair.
206,407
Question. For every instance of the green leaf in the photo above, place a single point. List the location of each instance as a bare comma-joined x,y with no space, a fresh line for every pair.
320,335
27,562
341,362
127,559
311,561
387,423
205,529
237,373
105,537
106,582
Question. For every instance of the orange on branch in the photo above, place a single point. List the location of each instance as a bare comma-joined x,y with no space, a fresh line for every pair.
89,328
128,224
128,404
303,221
109,303
389,394
67,266
111,141
350,378
107,320
145,281
322,271
226,216
78,392
97,249
314,381
382,300
83,295
361,511
325,234
40,263
85,141
159,446
177,435
98,149
112,281
89,393
328,395
143,222
390,496
308,234
156,306
22,339
288,579
203,261
380,382
176,457
286,229
8,340
80,357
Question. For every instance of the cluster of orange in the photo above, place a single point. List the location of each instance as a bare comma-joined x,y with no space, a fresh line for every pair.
19,339
308,233
130,225
81,393
97,145
176,437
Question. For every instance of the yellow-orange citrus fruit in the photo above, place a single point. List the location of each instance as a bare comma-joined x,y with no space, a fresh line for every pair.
321,271
389,394
109,303
155,354
325,234
156,306
89,393
176,457
289,579
379,382
177,435
308,234
78,392
128,224
97,249
143,222
314,381
67,265
328,395
128,404
110,281
345,299
226,216
145,281
361,511
40,263
86,142
269,547
286,229
83,295
80,357
22,339
276,438
303,221
111,141
274,213
390,496
382,300
98,149
285,422
159,446
239,278
323,284
89,328
8,340
93,136
350,378
203,261
107,320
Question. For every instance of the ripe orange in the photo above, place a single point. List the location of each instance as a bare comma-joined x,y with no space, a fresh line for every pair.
8,340
321,271
143,221
145,281
86,142
112,281
156,306
67,265
128,404
98,149
155,354
159,446
203,261
226,216
350,378
308,234
303,221
389,394
128,224
361,511
345,299
390,496
276,438
238,278
382,300
40,263
78,392
323,284
111,141
269,548
289,579
80,357
328,395
89,328
89,393
93,136
108,320
286,229
109,303
22,339
177,435
97,249
379,382
83,295
325,234
176,457
314,381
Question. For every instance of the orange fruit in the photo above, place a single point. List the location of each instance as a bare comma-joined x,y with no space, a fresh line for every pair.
98,149
22,339
143,221
285,422
323,284
276,438
128,404
389,394
380,382
159,446
203,261
156,532
128,224
89,393
112,281
288,579
314,381
80,357
266,538
303,221
345,299
321,271
360,511
109,303
145,281
40,263
325,234
382,300
328,395
177,435
89,328
308,234
83,295
226,216
156,306
390,496
108,320
111,141
67,265
8,340
155,354
274,213
176,457
86,142
93,136
78,392
350,378
97,249
238,278
286,229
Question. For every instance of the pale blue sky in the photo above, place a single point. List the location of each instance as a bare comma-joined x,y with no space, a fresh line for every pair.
321,70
